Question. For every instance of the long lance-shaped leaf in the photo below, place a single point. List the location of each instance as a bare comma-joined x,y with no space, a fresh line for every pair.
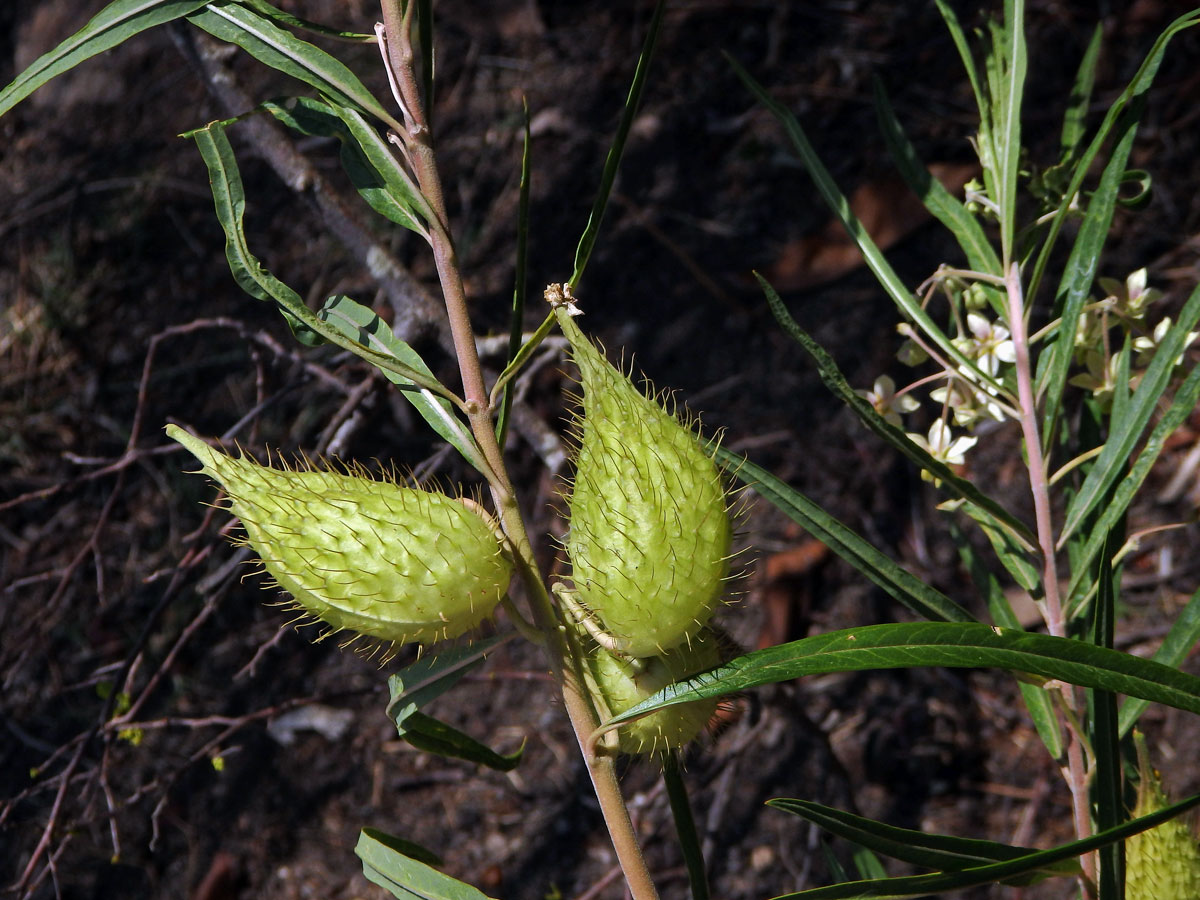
435,736
263,8
282,50
517,317
431,676
1037,698
1006,78
345,323
989,510
1176,646
1075,117
613,161
113,25
953,645
943,205
922,885
1128,432
1078,276
933,851
878,567
685,826
375,171
1107,781
1182,405
837,202
958,35
405,877
1141,82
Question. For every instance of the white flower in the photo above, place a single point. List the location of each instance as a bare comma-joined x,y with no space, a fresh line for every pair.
989,344
1147,345
969,404
883,398
1132,298
942,446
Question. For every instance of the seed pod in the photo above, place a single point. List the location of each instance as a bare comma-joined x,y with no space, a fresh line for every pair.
650,532
622,683
395,564
1161,863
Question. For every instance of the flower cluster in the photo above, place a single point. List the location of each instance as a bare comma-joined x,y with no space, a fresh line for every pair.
977,386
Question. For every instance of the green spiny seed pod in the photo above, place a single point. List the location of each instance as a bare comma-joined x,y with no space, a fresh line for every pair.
650,531
1162,863
395,564
623,683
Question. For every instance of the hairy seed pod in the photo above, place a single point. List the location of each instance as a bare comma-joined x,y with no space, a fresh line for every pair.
395,564
624,682
650,532
1161,863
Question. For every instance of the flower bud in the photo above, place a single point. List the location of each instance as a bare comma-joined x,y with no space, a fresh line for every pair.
395,564
650,532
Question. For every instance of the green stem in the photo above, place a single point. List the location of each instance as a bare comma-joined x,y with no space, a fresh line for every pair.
565,655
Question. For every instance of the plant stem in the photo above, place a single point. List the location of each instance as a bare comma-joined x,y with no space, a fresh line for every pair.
565,655
1040,488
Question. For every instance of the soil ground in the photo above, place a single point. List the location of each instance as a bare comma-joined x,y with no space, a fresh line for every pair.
117,586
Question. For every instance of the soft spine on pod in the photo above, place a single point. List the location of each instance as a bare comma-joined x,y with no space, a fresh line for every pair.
1161,863
649,532
392,563
622,683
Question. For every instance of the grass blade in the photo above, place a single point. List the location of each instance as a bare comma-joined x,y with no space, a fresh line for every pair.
1182,405
934,851
613,162
837,202
944,206
878,567
685,826
113,25
1128,431
922,885
1176,646
988,510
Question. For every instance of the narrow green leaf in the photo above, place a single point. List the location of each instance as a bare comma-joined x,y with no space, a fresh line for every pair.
375,173
1121,442
950,644
405,877
1008,86
685,826
1019,564
113,25
613,161
1176,646
933,851
832,377
367,329
964,51
1182,406
837,202
517,318
282,50
922,885
342,321
1037,698
1140,84
432,675
878,567
1079,274
400,845
1102,724
265,9
434,736
944,206
1075,119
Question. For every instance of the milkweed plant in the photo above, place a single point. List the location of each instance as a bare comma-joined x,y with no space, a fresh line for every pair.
1026,326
